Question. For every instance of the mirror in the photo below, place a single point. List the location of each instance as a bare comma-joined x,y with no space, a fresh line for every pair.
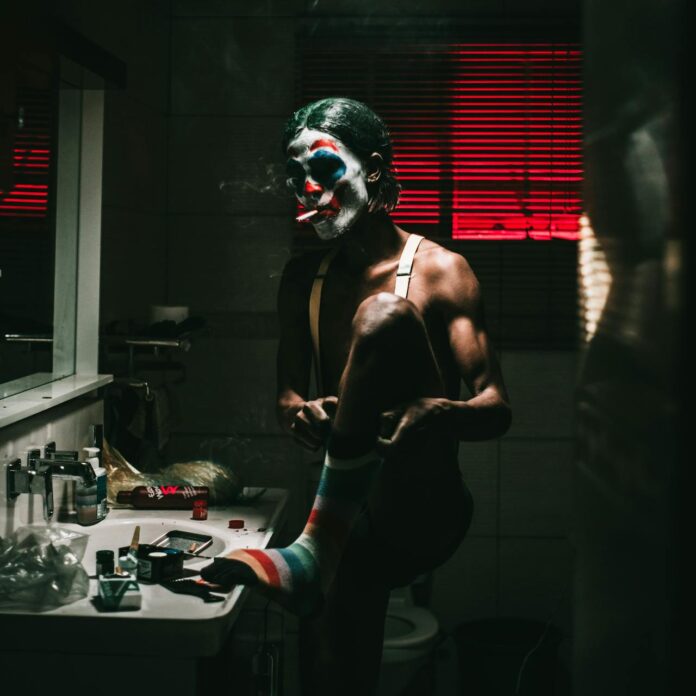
41,101
52,82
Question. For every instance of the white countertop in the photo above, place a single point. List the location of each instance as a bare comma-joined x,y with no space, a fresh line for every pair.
167,623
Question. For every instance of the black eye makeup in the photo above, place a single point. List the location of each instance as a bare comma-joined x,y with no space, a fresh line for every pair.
326,168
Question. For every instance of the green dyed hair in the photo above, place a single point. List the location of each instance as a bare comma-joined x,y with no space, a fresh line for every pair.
362,130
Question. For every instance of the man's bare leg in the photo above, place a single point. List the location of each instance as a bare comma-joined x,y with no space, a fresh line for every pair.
390,362
298,576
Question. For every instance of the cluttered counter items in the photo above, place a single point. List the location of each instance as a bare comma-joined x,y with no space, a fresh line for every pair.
162,620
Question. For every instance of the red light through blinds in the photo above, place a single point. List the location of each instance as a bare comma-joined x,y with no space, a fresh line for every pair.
487,137
516,142
28,197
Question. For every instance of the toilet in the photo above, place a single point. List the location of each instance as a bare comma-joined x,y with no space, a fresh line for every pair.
410,636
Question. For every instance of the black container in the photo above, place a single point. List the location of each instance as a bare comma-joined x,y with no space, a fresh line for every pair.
105,562
507,657
165,564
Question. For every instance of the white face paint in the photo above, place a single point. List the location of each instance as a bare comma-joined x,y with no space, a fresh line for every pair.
327,176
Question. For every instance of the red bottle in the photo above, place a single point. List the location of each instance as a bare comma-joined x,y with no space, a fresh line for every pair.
163,497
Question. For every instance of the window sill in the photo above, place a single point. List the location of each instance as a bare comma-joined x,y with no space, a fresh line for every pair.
35,400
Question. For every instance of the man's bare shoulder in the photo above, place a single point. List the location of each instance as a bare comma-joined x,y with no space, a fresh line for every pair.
448,274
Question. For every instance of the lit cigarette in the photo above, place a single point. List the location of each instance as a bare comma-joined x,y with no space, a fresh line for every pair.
305,216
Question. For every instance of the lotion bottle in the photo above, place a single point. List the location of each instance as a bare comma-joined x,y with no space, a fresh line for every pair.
92,456
170,497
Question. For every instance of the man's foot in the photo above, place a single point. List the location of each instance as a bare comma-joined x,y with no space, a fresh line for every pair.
298,575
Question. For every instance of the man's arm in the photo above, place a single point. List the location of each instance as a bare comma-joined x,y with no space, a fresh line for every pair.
487,413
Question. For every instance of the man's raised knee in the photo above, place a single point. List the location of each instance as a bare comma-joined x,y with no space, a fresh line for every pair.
384,316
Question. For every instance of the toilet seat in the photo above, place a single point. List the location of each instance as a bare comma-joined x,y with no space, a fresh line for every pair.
409,627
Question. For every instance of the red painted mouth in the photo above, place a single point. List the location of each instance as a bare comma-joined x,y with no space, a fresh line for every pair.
331,209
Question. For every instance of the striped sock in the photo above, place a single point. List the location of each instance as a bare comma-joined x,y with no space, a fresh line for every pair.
298,575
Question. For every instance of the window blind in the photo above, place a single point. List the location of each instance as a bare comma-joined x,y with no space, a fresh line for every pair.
487,136
488,147
31,158
27,235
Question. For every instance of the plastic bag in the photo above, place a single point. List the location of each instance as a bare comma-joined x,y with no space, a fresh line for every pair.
223,484
41,568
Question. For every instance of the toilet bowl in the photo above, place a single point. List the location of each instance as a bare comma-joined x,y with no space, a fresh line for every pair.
409,633
410,636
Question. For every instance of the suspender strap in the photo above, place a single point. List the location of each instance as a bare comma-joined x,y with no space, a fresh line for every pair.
403,275
314,306
403,272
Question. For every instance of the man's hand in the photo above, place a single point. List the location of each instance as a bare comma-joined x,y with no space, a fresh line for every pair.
312,423
400,424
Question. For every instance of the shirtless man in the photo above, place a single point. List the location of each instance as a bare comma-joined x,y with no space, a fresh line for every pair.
391,503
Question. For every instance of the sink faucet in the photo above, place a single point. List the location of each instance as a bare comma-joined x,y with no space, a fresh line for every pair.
82,472
30,481
38,478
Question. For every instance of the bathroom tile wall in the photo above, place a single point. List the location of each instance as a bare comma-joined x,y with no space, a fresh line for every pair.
230,232
134,245
521,485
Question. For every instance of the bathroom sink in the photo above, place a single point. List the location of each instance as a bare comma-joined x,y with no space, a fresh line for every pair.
167,623
113,533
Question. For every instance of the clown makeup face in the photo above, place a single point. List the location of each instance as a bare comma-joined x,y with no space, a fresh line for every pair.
326,176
